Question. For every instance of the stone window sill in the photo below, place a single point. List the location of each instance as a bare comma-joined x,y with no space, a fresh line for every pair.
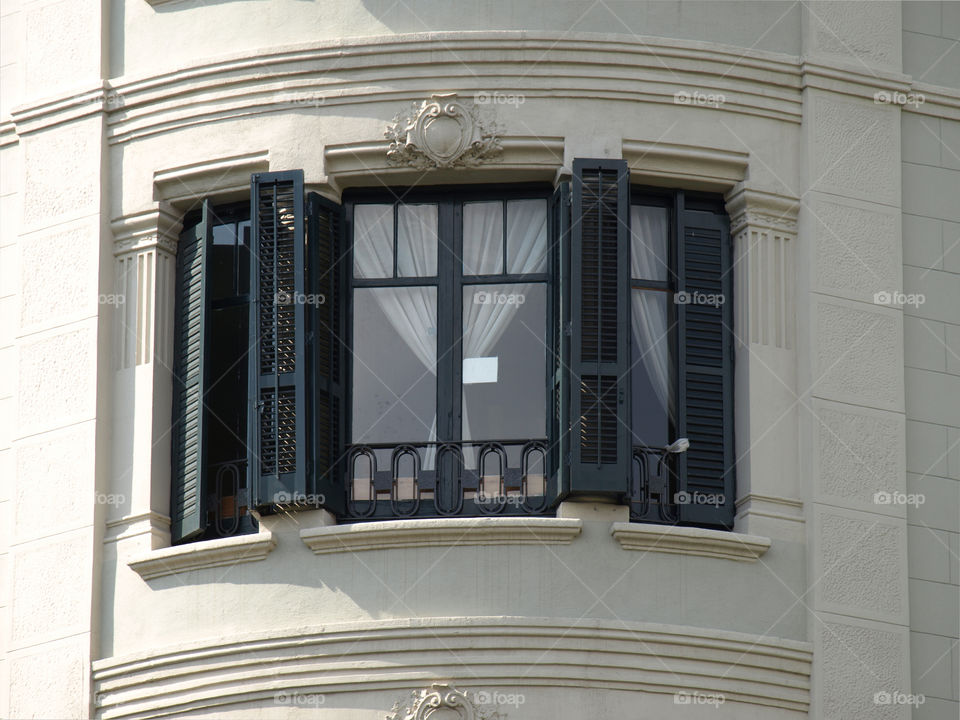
205,554
690,541
441,531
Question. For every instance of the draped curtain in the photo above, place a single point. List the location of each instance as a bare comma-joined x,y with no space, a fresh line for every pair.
412,311
649,262
485,322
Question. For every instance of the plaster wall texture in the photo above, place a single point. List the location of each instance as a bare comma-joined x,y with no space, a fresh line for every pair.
126,113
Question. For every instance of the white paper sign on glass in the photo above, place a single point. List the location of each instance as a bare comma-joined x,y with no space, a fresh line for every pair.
479,370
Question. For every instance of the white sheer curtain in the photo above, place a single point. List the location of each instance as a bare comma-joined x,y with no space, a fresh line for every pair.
482,238
417,240
373,241
488,310
648,226
412,311
526,236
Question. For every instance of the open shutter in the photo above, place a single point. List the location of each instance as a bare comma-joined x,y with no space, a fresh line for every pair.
326,333
278,438
705,322
599,377
188,515
558,360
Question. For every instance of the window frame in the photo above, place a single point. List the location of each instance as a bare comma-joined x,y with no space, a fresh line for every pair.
449,282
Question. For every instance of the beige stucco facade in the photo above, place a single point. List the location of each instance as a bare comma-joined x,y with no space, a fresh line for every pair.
832,129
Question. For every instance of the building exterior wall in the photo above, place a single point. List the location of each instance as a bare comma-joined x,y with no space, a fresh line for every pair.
116,117
931,229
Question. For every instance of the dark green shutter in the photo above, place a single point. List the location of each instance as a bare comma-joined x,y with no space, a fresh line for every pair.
326,333
558,386
600,329
278,444
705,368
188,516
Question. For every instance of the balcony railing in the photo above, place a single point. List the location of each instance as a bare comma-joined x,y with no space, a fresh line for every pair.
443,479
654,485
227,501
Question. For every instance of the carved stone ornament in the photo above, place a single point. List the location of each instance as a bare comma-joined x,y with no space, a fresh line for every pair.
441,702
442,132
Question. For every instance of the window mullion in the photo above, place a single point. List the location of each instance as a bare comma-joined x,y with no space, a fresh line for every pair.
448,323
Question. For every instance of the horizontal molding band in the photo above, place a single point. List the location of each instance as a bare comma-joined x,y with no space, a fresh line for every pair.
586,65
679,540
206,554
412,533
506,652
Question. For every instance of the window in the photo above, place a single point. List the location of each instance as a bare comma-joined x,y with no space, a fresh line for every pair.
448,352
455,352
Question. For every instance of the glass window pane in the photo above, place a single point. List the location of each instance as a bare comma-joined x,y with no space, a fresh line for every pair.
649,229
650,374
394,364
417,240
483,238
526,236
504,362
373,241
223,261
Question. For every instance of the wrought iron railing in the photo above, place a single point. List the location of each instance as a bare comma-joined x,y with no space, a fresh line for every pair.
228,500
654,485
443,479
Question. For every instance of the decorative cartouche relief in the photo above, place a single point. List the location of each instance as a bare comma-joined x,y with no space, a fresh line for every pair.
442,132
442,701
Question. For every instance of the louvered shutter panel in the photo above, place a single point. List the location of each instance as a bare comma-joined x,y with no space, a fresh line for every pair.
705,369
326,332
278,438
600,322
188,516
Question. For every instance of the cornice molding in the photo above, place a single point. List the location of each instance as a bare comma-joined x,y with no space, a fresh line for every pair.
157,228
397,654
695,168
748,207
447,532
678,540
609,66
520,158
204,554
186,183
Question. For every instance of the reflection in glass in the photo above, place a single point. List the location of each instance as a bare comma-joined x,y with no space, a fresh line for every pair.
650,374
505,324
373,241
649,227
483,238
416,240
394,365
